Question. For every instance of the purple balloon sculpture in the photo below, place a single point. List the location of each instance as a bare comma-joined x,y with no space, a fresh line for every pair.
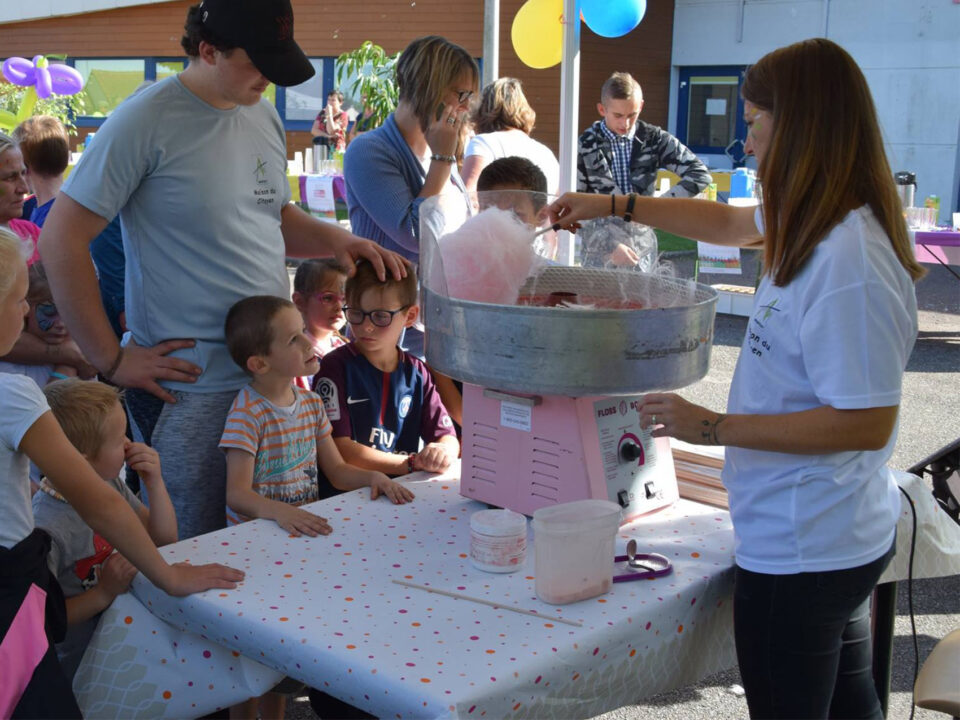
47,78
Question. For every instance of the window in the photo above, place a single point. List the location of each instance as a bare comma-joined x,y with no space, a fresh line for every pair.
166,68
108,82
306,100
713,111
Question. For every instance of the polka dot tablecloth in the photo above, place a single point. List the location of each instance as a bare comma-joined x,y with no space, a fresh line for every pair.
325,611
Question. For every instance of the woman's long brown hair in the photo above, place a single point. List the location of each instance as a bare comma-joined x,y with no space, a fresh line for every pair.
825,156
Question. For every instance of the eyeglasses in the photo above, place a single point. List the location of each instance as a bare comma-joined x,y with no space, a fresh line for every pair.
380,318
329,298
463,95
46,314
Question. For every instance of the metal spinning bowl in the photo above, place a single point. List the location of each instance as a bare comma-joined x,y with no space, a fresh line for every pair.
663,343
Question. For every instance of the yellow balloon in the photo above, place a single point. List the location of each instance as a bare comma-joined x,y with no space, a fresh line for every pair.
537,33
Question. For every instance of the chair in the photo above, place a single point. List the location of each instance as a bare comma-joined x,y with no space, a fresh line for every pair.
938,682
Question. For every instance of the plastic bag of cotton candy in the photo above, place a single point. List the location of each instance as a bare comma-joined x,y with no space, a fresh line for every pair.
488,257
613,243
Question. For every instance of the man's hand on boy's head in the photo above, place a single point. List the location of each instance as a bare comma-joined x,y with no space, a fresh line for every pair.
384,261
433,458
116,574
297,521
144,460
396,493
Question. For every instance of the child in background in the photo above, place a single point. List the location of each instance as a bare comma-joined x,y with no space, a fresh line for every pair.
318,295
382,401
500,180
276,434
518,185
89,572
32,611
43,322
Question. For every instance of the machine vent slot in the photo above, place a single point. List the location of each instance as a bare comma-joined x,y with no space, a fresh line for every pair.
548,441
544,463
483,475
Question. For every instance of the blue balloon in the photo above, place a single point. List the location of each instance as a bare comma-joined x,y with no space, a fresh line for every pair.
613,18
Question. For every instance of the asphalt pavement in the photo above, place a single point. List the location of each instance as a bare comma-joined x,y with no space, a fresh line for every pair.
929,420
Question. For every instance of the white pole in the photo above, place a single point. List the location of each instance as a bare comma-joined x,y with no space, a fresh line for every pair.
491,41
569,107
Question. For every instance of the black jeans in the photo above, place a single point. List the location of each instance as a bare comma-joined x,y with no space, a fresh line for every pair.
803,642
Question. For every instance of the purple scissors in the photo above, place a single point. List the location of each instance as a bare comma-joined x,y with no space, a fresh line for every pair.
643,566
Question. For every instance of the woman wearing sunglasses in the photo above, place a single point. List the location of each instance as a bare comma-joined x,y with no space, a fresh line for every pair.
812,415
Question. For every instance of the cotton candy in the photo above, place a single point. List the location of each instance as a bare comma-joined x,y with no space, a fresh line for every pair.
488,257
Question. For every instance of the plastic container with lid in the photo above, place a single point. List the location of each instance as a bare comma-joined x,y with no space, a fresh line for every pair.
573,545
498,540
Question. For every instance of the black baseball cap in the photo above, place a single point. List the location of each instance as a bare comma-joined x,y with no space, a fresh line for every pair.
264,29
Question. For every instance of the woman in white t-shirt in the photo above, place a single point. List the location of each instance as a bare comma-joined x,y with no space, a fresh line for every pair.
503,121
812,414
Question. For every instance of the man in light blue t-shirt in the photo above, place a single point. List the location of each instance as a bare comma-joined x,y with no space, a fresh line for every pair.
195,165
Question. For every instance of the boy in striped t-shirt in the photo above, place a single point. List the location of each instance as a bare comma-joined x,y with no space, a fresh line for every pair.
277,433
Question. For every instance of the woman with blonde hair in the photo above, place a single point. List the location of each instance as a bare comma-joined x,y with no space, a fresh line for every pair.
391,170
812,414
503,121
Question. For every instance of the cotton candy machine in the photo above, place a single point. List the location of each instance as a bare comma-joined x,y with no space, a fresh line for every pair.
554,359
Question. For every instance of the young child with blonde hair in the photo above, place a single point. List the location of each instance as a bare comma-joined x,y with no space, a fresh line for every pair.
32,610
90,573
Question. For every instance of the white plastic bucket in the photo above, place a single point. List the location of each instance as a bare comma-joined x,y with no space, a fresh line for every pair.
573,549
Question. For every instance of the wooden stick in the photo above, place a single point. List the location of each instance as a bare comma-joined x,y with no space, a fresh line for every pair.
461,596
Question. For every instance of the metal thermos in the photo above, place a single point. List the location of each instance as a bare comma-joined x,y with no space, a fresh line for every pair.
320,154
906,187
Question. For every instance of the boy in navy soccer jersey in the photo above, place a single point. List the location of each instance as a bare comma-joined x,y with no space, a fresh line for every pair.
381,401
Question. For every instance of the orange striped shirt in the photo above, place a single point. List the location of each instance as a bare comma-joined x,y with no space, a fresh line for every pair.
284,442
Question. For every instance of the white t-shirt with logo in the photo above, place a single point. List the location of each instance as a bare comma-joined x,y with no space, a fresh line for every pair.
199,191
839,334
508,143
21,405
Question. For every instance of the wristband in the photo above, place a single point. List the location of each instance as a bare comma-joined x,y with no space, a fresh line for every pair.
443,158
613,204
410,467
58,375
112,370
713,430
628,214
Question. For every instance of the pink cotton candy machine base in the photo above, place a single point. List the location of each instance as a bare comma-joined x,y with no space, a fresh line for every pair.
524,452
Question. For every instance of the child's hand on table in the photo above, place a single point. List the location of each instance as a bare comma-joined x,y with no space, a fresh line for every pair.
185,579
297,521
380,484
433,458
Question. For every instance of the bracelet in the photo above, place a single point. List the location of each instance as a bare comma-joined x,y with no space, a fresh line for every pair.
410,467
58,375
444,158
631,199
613,204
713,430
112,370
